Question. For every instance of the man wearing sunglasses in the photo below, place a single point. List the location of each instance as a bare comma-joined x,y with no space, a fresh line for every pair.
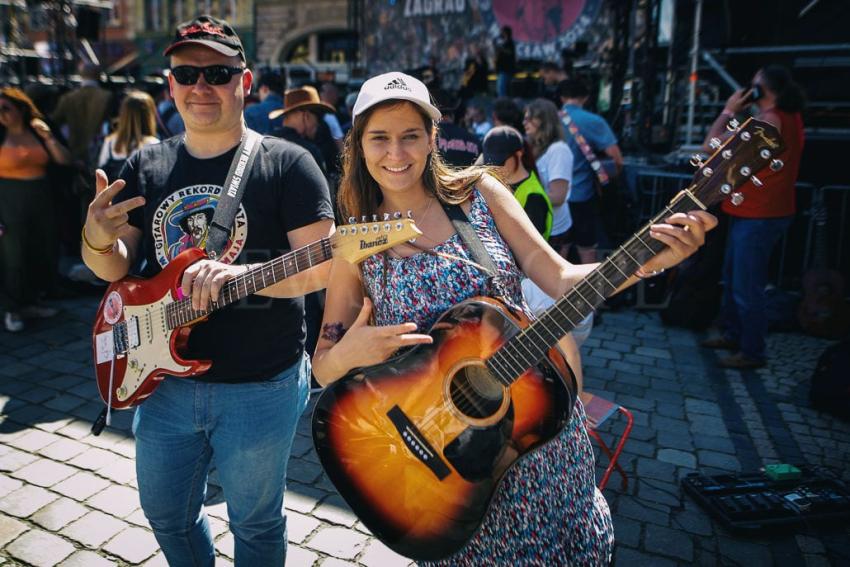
242,413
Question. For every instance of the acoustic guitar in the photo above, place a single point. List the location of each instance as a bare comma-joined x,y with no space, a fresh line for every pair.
142,325
418,445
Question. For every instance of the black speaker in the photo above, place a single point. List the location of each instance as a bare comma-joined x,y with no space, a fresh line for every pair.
88,24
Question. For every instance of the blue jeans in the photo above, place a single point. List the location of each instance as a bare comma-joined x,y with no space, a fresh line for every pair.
748,248
503,83
246,430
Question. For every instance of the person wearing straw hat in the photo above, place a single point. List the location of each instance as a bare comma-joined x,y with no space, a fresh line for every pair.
302,110
547,510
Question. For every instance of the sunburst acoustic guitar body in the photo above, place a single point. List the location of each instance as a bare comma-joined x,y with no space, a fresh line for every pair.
417,445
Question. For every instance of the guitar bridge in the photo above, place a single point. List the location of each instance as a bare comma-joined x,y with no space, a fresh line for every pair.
125,335
417,444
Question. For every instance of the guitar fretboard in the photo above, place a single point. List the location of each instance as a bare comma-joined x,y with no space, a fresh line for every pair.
181,313
529,347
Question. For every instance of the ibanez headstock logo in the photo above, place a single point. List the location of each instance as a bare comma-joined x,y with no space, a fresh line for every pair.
380,241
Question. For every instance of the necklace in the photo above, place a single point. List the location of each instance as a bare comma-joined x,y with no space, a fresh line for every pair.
427,209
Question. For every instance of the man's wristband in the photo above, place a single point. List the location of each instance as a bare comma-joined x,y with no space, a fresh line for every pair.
105,251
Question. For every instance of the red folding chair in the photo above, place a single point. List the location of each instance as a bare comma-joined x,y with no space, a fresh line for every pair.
598,411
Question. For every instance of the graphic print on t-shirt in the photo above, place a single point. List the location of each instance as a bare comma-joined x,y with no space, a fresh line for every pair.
182,220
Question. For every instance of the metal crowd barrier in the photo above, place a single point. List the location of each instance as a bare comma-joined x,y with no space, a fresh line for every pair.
653,188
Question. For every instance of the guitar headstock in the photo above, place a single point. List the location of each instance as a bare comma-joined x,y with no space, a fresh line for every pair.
355,242
753,146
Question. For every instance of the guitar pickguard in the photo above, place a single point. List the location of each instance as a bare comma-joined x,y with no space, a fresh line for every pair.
153,353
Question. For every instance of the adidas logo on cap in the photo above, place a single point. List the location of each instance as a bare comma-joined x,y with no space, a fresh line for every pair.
397,83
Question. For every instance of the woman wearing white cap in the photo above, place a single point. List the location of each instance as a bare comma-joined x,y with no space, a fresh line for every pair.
547,510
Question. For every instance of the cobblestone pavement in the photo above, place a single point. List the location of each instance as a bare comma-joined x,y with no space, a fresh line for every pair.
69,498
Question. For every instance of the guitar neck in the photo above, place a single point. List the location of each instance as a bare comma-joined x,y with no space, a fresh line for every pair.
531,345
256,279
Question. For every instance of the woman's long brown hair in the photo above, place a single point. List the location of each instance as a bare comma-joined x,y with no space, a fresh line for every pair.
136,121
550,131
359,194
22,102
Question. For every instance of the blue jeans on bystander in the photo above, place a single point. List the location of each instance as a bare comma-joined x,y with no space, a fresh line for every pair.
246,430
745,270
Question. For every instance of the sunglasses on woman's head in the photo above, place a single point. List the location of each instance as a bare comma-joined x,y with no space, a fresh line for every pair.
213,74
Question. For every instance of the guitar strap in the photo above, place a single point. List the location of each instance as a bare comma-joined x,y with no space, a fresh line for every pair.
231,195
586,150
476,248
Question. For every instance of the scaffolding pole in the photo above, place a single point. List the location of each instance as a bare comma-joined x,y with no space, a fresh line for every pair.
692,78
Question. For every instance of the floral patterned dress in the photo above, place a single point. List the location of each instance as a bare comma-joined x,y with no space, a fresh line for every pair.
547,510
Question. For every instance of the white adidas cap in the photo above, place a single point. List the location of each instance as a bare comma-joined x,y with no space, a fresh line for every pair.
394,86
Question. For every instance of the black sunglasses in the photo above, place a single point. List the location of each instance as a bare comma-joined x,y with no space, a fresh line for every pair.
213,74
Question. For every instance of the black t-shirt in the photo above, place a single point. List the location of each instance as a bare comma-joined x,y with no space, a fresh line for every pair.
258,337
457,145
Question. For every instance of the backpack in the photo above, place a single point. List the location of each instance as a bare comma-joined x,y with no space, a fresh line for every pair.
830,390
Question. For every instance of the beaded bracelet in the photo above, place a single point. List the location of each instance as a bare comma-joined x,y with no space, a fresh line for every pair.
105,251
639,273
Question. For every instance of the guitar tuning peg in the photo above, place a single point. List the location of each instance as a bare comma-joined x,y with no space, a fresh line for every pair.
352,220
714,143
737,198
732,125
765,153
746,136
364,219
707,172
396,215
409,213
745,171
776,164
756,181
386,216
696,160
374,218
725,188
726,154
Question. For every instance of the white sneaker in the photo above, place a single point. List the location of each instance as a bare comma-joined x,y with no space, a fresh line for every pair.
38,312
13,322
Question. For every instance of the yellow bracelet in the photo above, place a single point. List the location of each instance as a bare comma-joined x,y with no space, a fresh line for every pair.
106,251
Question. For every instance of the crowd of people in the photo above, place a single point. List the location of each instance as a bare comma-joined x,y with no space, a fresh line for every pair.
526,175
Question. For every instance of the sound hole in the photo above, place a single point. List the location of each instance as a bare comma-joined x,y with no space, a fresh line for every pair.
476,392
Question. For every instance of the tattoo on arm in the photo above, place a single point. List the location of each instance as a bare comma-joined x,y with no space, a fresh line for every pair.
333,331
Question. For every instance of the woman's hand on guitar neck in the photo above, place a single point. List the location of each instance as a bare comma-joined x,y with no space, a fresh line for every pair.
362,344
683,234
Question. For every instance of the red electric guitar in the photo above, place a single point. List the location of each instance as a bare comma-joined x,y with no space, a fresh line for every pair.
417,445
142,325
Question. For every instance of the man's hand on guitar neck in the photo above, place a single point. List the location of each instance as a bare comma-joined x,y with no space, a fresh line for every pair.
108,241
204,279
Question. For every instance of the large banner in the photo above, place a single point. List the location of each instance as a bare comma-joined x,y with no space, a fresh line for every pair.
405,34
